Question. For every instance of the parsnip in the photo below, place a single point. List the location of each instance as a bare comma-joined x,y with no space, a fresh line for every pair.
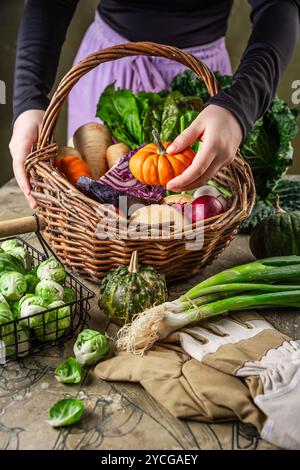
70,142
115,152
92,141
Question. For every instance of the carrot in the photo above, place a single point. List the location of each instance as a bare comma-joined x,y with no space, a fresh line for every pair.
72,167
92,141
64,152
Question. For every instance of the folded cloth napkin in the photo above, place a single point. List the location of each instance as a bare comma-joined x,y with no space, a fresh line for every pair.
234,367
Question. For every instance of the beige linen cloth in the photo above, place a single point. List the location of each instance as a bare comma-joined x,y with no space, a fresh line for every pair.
234,367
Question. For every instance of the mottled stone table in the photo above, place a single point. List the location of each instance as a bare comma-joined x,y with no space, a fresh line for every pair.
118,415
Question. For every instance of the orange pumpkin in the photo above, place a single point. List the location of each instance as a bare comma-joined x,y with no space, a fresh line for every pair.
72,167
153,165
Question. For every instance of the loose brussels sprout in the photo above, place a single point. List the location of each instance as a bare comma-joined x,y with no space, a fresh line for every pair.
57,323
16,249
51,270
90,347
65,412
49,290
69,295
69,372
32,305
13,285
32,282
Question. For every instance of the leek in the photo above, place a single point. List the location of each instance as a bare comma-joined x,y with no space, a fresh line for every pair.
231,290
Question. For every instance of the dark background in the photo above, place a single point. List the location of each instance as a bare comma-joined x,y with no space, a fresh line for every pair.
10,13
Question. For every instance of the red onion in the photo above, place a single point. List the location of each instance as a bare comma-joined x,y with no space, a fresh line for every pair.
208,190
203,208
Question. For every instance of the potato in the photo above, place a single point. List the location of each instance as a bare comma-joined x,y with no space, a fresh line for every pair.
178,199
156,214
92,140
115,152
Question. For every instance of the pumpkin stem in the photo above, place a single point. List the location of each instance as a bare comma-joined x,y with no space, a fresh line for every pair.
133,265
161,149
277,206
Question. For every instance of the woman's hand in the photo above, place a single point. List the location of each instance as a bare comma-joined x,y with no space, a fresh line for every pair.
25,134
220,134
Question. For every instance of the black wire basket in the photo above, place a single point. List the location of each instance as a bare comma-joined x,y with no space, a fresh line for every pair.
50,327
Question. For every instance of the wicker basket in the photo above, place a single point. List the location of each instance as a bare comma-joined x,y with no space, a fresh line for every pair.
72,218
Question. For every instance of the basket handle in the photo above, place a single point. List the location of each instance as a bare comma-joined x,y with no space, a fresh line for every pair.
115,53
33,223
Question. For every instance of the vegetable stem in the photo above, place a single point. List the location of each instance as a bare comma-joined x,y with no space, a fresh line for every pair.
161,149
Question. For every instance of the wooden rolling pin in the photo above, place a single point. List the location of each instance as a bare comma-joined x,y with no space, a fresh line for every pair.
9,228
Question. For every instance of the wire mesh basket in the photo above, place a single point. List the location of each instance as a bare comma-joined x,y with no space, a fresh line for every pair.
51,326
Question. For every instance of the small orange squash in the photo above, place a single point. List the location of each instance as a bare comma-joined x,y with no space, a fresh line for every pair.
72,167
154,166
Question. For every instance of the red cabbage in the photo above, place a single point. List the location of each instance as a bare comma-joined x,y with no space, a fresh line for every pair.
97,191
120,178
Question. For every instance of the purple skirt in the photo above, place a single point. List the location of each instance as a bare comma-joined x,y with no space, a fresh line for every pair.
138,73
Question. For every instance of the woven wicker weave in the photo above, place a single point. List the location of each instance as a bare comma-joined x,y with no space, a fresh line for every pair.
72,218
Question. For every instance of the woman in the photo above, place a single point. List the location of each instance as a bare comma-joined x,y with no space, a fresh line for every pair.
199,26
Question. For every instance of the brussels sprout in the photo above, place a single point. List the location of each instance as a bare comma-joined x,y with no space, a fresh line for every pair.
20,346
69,295
65,412
9,263
13,285
69,372
51,270
32,305
15,308
32,282
57,323
90,347
49,290
6,331
16,249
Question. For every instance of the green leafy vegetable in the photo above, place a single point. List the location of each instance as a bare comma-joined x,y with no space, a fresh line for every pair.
69,372
190,85
13,285
19,345
32,281
132,117
16,249
57,322
6,328
65,412
49,291
90,347
10,263
119,110
69,295
268,148
33,305
51,270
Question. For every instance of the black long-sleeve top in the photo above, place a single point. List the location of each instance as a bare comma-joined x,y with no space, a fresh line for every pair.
180,23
